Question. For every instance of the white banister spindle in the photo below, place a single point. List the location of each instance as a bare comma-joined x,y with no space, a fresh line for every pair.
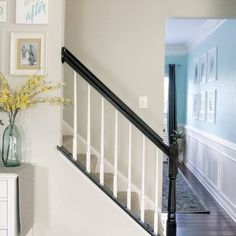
143,182
129,168
88,153
115,156
156,193
75,127
102,144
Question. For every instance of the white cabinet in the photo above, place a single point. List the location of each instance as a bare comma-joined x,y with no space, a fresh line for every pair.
8,205
3,232
3,188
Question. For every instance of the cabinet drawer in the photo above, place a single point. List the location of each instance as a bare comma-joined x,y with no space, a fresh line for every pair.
3,189
3,232
3,214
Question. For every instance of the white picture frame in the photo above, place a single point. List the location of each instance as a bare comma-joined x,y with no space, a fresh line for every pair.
203,69
28,54
202,106
212,61
211,106
196,71
195,106
31,11
3,11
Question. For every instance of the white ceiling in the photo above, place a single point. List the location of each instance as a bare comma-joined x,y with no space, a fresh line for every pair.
182,35
180,31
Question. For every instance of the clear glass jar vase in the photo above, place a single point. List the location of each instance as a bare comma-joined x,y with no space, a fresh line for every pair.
11,146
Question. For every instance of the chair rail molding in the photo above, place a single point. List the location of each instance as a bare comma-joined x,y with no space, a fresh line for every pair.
213,162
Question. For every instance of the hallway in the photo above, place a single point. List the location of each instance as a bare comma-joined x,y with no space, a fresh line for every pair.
217,223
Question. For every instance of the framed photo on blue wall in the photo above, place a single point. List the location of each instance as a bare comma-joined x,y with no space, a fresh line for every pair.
212,65
202,106
203,69
195,106
196,71
211,106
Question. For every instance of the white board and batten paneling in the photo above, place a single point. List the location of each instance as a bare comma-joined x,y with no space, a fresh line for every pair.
213,161
8,215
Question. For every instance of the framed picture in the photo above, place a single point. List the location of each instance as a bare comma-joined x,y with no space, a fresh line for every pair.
212,65
32,12
202,106
211,106
28,54
195,106
196,71
3,11
203,69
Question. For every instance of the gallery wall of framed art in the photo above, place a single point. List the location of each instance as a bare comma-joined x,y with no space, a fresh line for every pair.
26,27
204,99
3,11
28,54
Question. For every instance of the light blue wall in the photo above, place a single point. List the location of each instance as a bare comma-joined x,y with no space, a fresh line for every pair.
180,85
225,39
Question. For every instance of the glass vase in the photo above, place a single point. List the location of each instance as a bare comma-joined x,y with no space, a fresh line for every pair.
11,146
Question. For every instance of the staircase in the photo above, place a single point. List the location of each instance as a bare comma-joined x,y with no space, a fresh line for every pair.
133,203
108,183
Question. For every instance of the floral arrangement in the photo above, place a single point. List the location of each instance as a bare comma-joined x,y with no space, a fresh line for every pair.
13,101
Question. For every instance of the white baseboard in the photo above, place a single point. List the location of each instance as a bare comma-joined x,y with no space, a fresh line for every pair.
212,160
122,179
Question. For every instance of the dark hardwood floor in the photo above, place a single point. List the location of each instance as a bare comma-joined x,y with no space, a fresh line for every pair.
217,223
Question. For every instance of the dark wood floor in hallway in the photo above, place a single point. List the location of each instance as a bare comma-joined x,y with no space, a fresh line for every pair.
217,223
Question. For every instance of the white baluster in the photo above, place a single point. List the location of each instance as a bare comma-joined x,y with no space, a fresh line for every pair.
156,193
75,127
143,182
129,168
102,145
116,156
88,154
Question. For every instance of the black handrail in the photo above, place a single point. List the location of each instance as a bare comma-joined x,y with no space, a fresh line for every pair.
98,85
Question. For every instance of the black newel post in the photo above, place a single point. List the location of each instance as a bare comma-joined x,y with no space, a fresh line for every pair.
173,154
173,171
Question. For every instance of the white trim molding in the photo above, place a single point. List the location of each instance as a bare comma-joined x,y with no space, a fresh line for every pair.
209,27
175,50
213,161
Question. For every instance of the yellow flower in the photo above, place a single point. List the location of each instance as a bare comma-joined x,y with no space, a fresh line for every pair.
14,101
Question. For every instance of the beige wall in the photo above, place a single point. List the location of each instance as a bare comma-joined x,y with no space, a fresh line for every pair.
41,125
119,42
114,39
122,42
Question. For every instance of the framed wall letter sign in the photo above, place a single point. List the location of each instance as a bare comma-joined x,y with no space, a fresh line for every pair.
211,106
28,53
3,11
31,11
212,65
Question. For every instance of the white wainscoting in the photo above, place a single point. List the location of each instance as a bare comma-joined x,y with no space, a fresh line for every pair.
213,162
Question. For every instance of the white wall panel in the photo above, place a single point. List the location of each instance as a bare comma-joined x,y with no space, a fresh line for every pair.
212,166
228,179
213,161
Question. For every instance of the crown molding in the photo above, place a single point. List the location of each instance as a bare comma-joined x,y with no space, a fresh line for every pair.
175,50
205,31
